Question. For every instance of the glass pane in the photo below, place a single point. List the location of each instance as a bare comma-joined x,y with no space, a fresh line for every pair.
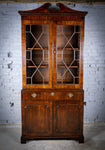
37,54
68,50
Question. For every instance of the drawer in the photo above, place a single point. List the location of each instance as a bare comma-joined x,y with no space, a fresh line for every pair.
67,95
74,95
34,95
52,95
64,95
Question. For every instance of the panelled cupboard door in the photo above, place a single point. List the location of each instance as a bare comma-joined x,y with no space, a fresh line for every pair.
38,118
67,118
68,61
37,54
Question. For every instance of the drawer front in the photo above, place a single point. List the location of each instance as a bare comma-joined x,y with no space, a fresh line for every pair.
34,95
74,95
65,95
52,95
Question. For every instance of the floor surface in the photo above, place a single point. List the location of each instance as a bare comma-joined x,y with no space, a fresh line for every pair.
94,140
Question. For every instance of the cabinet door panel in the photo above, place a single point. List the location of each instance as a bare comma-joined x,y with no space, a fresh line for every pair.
37,52
38,118
68,60
67,118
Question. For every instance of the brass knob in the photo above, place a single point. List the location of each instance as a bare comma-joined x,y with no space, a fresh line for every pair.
70,95
34,95
52,93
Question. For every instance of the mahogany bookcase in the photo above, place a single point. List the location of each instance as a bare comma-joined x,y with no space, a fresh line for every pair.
52,97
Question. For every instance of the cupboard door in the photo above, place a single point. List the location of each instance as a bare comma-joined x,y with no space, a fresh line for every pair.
38,54
38,118
67,118
68,62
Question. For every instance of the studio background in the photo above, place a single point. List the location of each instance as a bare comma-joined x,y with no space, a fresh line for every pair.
11,61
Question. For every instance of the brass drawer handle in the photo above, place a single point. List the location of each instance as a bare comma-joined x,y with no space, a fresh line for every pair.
52,93
70,95
34,95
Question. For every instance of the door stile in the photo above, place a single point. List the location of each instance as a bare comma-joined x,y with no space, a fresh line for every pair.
50,56
54,54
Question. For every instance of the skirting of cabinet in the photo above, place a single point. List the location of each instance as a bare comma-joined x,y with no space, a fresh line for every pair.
80,139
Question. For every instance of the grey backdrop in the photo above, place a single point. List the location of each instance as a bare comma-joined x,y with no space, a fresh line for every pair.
11,61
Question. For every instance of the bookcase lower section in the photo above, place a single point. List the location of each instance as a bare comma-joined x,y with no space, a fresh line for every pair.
52,114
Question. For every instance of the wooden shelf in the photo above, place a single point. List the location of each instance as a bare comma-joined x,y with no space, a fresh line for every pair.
37,48
58,49
61,66
76,49
44,66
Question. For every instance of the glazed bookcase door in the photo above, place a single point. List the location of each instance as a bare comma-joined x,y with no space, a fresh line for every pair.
38,55
68,64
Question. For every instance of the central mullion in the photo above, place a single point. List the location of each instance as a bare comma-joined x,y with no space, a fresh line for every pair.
54,53
50,56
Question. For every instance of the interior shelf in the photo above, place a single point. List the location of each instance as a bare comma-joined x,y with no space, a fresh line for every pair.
61,66
37,48
44,66
60,49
